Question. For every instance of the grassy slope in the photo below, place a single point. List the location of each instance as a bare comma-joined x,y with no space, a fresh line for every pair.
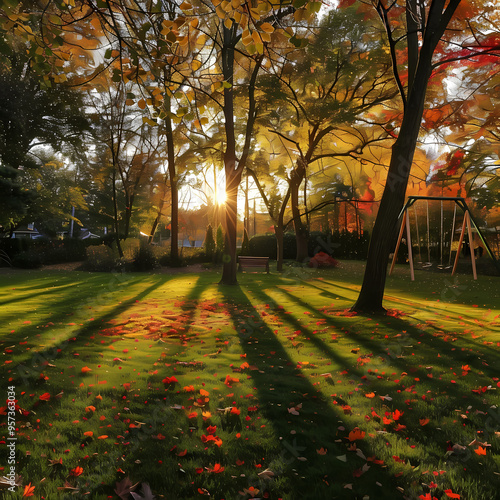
300,373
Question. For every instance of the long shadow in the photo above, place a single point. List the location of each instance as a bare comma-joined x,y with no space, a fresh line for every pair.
437,312
430,341
18,297
29,365
74,306
280,386
450,396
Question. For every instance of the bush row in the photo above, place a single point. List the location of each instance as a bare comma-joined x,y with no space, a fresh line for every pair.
340,245
138,256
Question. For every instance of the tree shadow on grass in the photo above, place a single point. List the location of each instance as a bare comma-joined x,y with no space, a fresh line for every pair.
282,386
437,386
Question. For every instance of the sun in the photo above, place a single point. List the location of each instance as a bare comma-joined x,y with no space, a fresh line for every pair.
220,197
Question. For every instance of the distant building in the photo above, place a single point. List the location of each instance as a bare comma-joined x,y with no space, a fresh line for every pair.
28,231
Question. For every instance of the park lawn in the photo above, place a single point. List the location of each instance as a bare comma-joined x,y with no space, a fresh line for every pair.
197,389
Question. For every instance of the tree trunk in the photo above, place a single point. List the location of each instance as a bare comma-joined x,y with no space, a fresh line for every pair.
384,231
172,174
278,231
301,235
229,269
232,170
419,71
115,216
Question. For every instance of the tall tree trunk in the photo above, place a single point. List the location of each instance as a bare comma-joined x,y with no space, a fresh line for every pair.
419,71
301,235
279,231
115,216
382,240
172,175
229,270
232,172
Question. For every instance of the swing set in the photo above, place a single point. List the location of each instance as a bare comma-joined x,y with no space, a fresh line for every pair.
467,224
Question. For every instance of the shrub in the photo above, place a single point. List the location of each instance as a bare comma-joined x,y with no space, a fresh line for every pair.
103,258
209,243
263,245
219,239
145,258
30,259
191,255
245,245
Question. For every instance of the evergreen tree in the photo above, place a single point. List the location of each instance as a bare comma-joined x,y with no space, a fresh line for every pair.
209,243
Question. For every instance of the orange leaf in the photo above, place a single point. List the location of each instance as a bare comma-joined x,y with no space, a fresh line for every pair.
370,395
217,468
480,451
451,494
86,369
88,433
103,437
203,392
356,434
424,421
235,411
28,490
44,397
396,415
77,471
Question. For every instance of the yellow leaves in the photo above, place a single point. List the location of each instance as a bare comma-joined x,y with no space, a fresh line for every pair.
220,13
195,65
185,6
200,41
255,14
256,37
228,23
96,23
149,121
142,104
267,27
194,22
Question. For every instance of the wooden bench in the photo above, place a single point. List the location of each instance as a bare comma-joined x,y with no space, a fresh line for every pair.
253,262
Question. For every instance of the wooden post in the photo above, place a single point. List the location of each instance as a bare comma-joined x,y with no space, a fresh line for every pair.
471,245
398,243
410,251
460,242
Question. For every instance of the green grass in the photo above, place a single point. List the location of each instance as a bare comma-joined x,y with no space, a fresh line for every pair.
300,372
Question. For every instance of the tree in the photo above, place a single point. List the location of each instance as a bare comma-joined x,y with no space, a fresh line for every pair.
55,192
32,117
313,111
209,243
422,27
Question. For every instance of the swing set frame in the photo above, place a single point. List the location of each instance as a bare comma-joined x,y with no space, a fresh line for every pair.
467,224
